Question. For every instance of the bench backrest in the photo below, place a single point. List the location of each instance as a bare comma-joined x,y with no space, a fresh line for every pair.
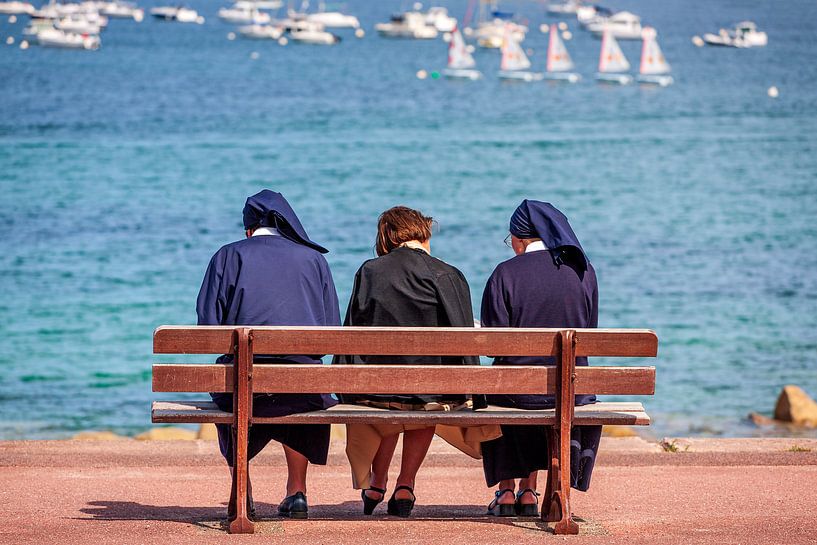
243,342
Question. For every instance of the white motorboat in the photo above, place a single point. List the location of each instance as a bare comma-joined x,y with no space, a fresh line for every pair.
460,61
179,14
654,67
559,64
622,25
438,18
568,8
612,62
314,37
744,35
70,40
411,24
261,32
587,15
515,64
333,19
491,34
78,24
122,10
244,13
16,8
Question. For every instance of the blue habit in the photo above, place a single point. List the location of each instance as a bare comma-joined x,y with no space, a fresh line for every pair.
272,280
554,287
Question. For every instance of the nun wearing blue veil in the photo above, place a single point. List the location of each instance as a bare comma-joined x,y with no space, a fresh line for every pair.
549,283
274,276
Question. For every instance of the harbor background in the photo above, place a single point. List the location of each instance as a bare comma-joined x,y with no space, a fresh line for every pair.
123,170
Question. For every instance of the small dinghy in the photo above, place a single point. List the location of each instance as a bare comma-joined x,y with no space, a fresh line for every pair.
515,63
612,62
654,67
53,37
559,64
460,62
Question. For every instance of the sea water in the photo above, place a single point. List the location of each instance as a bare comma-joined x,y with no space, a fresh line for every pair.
123,170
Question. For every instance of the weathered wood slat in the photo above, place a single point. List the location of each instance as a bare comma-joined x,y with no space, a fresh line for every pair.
405,341
617,413
403,379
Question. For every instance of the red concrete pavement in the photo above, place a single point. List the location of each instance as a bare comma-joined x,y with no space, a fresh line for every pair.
174,492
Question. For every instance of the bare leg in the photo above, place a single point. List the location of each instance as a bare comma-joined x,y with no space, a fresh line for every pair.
380,465
530,482
507,497
415,447
296,471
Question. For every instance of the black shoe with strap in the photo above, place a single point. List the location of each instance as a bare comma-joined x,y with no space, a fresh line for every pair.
526,509
496,509
294,506
401,508
370,503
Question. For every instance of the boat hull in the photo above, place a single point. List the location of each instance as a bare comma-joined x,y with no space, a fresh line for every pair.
662,80
520,75
314,37
462,73
566,77
618,79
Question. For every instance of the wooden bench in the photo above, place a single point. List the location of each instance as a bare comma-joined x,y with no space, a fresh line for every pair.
563,380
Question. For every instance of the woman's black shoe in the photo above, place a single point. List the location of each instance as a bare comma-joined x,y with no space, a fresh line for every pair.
526,509
496,509
401,508
294,506
368,503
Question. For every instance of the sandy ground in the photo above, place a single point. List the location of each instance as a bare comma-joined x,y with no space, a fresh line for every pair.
707,491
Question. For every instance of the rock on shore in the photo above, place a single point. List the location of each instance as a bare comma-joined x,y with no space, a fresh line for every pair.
795,406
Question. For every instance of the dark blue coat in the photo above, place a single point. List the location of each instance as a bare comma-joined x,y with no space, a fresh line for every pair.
272,280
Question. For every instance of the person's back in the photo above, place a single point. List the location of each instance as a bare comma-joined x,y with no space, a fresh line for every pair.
407,287
270,280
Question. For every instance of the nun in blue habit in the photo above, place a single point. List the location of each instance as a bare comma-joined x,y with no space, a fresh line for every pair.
274,276
549,283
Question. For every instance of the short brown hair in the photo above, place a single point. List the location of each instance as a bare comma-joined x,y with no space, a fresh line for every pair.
401,224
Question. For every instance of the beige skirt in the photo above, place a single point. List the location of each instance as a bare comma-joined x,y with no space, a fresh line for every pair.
363,440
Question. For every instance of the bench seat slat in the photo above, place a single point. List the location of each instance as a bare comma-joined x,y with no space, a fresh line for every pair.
618,413
403,379
385,341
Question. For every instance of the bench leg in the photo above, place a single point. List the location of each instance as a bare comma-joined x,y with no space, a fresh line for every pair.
556,504
241,523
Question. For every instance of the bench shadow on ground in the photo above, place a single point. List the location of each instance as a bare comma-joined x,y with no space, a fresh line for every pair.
214,518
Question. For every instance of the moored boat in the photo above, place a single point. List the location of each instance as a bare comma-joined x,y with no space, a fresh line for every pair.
410,24
654,67
515,64
461,64
261,32
622,26
16,8
745,34
559,64
68,40
612,62
314,36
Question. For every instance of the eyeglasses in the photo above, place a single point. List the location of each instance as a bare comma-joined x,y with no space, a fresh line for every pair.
508,241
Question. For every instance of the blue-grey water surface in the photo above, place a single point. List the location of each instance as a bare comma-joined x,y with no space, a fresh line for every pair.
123,170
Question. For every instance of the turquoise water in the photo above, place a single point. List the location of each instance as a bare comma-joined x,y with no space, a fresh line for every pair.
122,171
